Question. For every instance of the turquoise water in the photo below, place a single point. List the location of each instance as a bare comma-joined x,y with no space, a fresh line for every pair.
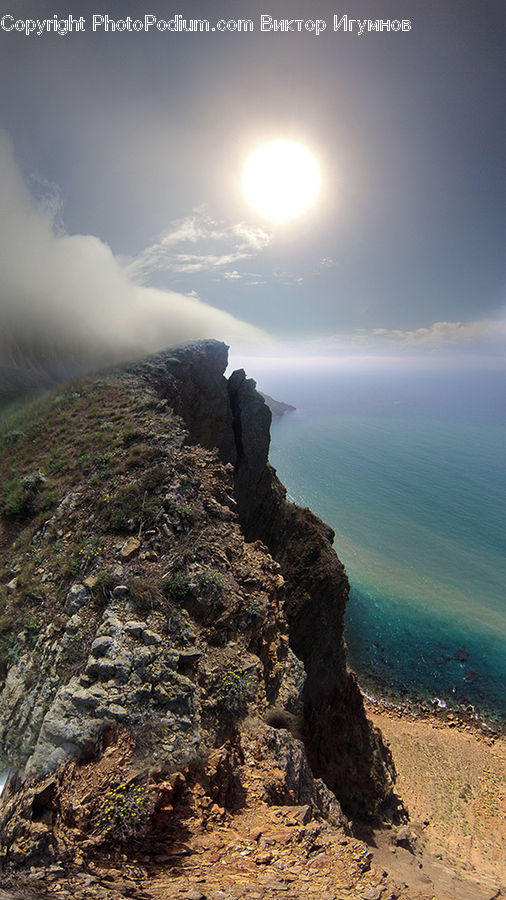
410,471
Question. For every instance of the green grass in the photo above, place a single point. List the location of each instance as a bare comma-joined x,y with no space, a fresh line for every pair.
95,440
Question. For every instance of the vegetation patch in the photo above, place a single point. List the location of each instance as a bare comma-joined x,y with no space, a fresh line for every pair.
132,506
146,592
93,445
22,496
232,691
126,812
177,587
211,582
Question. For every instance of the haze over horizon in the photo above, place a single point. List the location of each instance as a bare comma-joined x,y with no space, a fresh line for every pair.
125,229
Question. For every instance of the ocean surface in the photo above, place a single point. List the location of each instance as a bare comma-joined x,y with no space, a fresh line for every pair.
409,469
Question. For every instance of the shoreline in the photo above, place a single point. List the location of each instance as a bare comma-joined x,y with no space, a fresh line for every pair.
447,719
424,692
463,715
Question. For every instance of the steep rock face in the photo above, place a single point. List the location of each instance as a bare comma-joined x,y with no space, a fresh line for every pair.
149,585
191,379
251,420
343,747
142,640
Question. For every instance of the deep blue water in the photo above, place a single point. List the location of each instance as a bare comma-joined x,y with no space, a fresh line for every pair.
410,471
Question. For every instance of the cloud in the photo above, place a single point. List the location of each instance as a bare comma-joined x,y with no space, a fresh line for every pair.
287,278
461,345
48,198
477,343
249,237
66,297
194,262
220,245
441,335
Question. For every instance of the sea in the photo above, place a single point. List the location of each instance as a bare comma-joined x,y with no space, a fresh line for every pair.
409,469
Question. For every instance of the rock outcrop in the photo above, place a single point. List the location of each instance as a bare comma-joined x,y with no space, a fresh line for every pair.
277,407
343,747
170,623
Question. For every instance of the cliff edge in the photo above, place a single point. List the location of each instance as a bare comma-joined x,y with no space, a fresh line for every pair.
232,416
171,629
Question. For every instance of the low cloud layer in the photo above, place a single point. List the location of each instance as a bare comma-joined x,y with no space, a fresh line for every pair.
457,339
66,298
468,345
457,335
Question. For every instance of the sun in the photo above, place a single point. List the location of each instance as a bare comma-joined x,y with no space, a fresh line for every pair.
281,180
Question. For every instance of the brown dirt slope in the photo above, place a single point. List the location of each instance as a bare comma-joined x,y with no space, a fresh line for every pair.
453,781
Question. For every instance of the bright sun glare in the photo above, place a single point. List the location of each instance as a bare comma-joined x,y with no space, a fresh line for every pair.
281,180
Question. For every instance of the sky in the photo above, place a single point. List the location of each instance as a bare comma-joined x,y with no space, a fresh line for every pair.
124,227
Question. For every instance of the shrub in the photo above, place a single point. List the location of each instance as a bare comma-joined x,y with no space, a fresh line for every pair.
92,550
24,495
177,587
9,646
32,629
184,509
232,691
56,463
85,461
152,478
129,508
132,436
126,812
211,581
146,592
255,609
11,437
16,498
102,464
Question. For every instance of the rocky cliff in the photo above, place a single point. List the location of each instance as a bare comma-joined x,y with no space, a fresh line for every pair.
171,630
277,407
232,416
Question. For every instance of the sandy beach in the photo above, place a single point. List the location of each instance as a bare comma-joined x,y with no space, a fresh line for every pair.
452,778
